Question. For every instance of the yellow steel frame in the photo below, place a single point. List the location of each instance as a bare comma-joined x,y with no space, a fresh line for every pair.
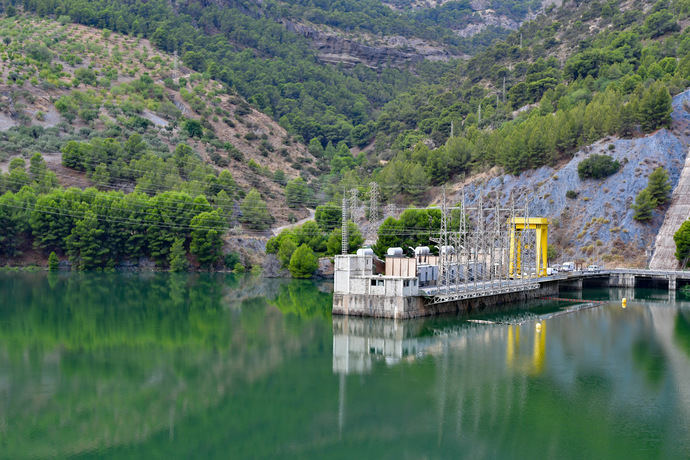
517,226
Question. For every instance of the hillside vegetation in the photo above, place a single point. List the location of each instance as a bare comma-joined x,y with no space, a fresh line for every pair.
81,107
126,116
245,44
582,73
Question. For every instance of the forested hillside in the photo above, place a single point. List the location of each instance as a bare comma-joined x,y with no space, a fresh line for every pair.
524,102
247,45
171,153
156,97
571,77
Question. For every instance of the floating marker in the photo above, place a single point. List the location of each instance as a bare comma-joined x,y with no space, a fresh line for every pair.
538,327
624,302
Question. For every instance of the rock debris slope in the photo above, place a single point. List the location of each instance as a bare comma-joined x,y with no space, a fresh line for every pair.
598,225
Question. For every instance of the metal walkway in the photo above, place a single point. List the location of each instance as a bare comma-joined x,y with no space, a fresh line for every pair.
472,290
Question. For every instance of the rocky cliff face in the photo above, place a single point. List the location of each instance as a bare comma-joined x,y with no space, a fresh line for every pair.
335,47
598,225
485,18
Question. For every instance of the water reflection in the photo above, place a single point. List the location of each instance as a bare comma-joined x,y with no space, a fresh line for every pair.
360,342
89,362
507,389
122,366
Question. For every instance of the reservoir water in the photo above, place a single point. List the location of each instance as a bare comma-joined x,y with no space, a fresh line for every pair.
219,366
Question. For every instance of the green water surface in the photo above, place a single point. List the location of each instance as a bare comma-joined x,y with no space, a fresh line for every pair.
218,366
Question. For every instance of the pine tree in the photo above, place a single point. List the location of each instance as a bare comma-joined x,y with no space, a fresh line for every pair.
628,120
315,148
655,108
255,213
659,186
285,250
178,256
296,193
225,204
53,262
100,175
85,243
279,177
335,240
644,205
303,262
682,240
207,232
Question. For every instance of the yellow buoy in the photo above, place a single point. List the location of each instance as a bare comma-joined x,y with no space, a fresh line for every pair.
538,327
624,302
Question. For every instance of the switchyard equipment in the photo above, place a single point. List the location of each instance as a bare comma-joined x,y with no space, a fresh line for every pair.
485,254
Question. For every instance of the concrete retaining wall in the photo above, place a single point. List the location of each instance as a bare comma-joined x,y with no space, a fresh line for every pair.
413,307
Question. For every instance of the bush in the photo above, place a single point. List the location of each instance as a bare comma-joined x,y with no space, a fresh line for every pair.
53,262
303,262
572,194
239,268
597,167
682,240
231,259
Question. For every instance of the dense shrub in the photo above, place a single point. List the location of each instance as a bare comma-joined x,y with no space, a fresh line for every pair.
597,167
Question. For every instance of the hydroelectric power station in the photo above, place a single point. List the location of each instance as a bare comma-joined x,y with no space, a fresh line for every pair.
495,256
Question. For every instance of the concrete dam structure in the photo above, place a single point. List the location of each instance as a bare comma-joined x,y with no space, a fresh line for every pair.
406,288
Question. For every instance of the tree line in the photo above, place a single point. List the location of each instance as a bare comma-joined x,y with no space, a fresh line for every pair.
99,230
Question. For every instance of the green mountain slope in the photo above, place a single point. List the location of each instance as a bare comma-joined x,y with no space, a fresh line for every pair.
244,44
565,80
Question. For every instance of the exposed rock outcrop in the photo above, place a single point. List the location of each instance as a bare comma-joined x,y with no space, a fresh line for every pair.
598,225
679,210
484,19
334,47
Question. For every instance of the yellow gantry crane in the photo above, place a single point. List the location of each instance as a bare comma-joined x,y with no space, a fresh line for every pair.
517,227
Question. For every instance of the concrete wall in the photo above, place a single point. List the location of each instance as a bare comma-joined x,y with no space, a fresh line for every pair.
401,266
412,307
377,306
348,267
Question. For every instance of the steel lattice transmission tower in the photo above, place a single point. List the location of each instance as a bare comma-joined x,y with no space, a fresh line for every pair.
345,237
374,209
443,248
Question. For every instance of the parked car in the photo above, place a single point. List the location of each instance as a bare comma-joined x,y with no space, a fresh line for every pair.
593,268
